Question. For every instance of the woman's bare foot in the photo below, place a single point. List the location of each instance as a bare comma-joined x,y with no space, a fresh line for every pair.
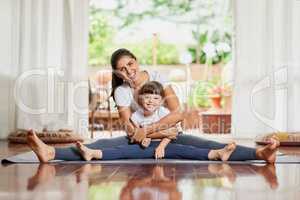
43,151
268,152
87,153
222,154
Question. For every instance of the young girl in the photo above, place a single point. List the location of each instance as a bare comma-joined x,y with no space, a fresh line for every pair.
151,110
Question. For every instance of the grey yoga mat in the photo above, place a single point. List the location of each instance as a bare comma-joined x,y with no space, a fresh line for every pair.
30,157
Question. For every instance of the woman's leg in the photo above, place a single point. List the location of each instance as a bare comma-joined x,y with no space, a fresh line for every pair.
178,151
241,153
72,154
46,153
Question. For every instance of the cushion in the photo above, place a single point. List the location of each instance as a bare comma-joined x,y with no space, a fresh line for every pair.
285,138
60,136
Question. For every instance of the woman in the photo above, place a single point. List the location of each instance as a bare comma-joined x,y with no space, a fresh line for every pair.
126,80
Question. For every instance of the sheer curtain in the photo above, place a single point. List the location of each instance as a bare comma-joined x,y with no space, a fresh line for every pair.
267,67
46,83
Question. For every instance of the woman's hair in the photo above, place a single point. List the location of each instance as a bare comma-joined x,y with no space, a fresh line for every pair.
152,87
115,57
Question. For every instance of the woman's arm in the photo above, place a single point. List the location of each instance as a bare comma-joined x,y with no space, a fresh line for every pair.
140,133
170,133
125,114
173,117
160,150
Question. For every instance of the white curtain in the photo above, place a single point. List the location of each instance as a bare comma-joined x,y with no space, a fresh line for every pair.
46,85
267,67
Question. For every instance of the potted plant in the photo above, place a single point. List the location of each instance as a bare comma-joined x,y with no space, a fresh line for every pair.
215,96
216,119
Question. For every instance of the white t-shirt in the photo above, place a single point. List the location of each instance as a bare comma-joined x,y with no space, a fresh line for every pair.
124,93
139,119
124,96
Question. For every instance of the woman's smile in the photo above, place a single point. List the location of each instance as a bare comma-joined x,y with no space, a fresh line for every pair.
132,76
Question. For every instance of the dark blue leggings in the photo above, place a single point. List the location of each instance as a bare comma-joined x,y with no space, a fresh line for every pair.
241,153
172,151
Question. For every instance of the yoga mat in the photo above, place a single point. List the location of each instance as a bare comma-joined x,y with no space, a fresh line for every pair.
30,157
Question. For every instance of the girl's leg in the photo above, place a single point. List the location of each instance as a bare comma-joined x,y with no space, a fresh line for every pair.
133,151
241,153
173,151
72,154
108,143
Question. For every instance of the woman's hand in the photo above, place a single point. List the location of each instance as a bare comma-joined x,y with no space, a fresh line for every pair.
160,149
159,152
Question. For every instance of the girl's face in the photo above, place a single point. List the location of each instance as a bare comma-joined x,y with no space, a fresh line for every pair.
127,69
151,102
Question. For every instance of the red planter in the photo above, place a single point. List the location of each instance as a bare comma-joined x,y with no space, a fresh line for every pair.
216,102
216,123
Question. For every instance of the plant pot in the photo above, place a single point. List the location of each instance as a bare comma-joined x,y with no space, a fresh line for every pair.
216,106
216,123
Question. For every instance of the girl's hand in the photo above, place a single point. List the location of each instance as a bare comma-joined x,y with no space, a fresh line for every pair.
159,152
146,142
139,135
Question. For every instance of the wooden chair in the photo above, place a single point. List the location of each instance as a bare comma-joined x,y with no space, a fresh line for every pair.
99,100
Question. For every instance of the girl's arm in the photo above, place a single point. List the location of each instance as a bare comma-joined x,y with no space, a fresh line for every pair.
172,118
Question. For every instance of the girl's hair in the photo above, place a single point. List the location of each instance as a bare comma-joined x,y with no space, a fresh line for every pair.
152,87
115,57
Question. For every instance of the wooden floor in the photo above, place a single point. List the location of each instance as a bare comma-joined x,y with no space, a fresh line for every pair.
148,181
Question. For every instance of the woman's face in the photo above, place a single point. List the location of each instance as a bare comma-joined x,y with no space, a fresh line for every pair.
127,69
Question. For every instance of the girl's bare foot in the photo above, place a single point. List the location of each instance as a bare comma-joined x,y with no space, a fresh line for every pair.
222,154
87,153
146,142
268,152
43,151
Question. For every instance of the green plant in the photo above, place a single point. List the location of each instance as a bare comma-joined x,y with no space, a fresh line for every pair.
221,43
167,54
206,14
101,35
199,96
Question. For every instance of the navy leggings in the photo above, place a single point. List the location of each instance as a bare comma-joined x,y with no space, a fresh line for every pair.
185,147
172,151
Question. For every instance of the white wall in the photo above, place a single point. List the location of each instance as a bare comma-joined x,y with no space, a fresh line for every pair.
6,43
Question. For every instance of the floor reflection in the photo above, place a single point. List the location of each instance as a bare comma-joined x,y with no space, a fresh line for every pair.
147,181
154,186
